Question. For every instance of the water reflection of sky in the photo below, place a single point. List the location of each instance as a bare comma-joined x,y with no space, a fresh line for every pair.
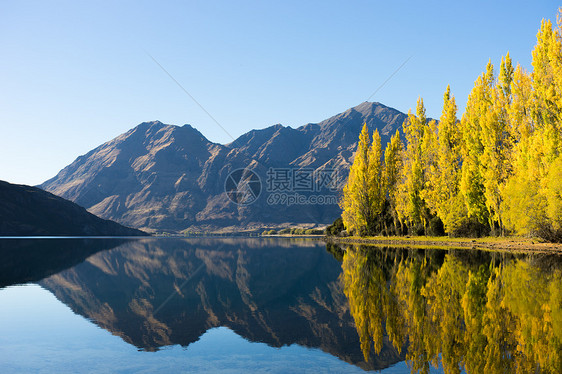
40,334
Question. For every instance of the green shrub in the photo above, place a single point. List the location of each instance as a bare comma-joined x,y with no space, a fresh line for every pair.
313,232
335,228
436,227
470,228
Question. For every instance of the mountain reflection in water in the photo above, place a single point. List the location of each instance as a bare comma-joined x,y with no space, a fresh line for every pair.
159,292
467,310
461,310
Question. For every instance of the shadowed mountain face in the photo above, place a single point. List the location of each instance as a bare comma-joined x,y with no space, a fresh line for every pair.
169,178
155,293
26,210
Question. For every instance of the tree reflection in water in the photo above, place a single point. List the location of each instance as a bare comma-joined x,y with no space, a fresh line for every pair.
481,312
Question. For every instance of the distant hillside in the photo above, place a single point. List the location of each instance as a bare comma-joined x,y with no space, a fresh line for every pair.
26,211
168,178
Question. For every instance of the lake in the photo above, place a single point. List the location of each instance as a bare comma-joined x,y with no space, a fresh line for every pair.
274,305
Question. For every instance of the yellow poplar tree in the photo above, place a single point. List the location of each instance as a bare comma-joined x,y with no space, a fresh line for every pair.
376,184
429,157
520,124
547,114
392,169
532,194
410,205
554,196
496,143
472,181
355,200
363,194
442,191
520,193
547,88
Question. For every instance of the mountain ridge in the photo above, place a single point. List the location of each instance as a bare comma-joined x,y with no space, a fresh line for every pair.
171,178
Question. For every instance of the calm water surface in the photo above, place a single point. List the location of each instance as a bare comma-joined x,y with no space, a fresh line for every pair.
236,305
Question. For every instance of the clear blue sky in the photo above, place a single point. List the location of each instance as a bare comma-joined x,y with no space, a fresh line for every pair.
74,74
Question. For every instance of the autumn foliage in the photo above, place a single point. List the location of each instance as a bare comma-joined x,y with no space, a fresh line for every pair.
496,170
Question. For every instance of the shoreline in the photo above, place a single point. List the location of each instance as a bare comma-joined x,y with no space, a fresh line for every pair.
507,244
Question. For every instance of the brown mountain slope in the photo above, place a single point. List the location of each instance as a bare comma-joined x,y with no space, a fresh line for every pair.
168,178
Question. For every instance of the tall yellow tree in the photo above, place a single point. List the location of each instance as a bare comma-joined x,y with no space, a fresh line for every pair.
472,180
355,203
533,200
429,157
520,193
363,194
392,169
520,124
547,115
410,205
443,187
496,143
376,192
547,87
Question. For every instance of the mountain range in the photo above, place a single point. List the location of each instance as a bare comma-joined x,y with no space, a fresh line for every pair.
166,178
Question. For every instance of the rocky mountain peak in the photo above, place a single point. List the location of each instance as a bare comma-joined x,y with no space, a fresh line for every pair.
171,178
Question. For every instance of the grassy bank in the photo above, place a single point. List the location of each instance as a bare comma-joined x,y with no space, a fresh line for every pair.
512,244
